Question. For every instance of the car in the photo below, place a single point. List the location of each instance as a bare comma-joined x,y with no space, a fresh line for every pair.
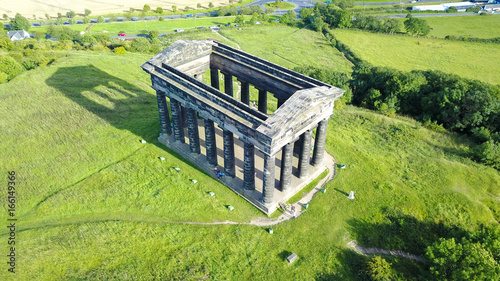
190,16
202,27
179,30
122,34
134,19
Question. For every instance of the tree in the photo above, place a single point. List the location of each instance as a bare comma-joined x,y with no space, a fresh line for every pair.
19,22
72,21
59,16
317,24
343,19
462,261
47,16
292,17
379,269
87,12
270,10
6,17
306,14
174,9
210,5
452,9
416,26
131,10
161,19
140,44
187,8
71,14
86,20
101,19
159,10
239,19
256,9
198,6
244,10
154,34
146,8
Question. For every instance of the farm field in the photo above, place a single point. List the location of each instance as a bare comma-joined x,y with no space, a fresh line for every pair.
407,53
475,26
28,8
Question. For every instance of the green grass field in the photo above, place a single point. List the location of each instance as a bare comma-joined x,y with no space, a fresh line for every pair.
477,26
289,46
406,53
94,202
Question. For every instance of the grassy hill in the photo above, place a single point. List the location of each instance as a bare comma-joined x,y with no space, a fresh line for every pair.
95,203
470,60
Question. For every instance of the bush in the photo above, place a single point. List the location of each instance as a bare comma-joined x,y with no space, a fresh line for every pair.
10,66
3,77
120,50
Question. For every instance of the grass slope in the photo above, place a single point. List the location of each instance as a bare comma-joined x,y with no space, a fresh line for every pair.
406,53
93,200
289,47
479,27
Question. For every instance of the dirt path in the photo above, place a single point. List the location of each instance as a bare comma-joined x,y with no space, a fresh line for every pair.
371,251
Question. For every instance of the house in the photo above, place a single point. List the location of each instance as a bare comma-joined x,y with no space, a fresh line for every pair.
491,7
17,35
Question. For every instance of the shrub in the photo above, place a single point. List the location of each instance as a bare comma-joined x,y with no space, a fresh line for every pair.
120,51
3,77
10,66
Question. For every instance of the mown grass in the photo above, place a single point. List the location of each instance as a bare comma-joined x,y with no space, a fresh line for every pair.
407,53
93,200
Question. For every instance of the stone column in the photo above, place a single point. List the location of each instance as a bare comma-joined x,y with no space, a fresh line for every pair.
249,167
305,153
286,168
229,167
245,92
194,136
184,116
177,120
268,188
164,116
214,78
280,102
210,143
263,101
319,143
228,84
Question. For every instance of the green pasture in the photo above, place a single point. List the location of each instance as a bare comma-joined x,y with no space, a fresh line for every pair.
474,26
162,26
289,47
470,60
97,204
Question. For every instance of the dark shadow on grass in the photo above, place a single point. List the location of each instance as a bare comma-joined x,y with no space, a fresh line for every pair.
284,254
116,101
343,193
402,232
